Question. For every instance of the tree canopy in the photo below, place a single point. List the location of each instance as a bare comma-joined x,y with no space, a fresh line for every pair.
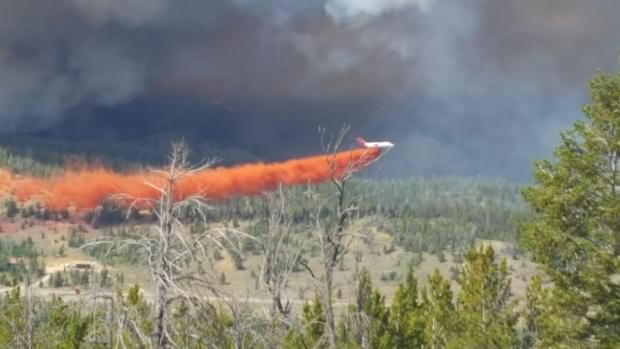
575,234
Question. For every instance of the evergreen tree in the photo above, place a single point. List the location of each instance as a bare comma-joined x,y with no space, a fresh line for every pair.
576,232
485,317
310,335
57,280
11,208
133,295
438,311
84,279
64,326
139,311
13,323
539,329
370,315
406,326
183,324
104,280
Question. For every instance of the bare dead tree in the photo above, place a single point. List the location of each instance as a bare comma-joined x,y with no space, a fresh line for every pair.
244,323
280,256
173,253
334,241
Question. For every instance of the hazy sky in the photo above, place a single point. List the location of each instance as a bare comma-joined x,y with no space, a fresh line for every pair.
462,86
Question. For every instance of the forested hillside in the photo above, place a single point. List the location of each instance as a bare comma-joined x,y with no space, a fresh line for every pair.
324,237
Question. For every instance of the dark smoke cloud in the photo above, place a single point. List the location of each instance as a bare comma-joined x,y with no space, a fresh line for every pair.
463,87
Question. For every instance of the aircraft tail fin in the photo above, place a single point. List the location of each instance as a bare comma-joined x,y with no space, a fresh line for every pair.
361,142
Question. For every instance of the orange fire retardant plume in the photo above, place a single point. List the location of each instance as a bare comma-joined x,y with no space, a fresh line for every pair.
87,188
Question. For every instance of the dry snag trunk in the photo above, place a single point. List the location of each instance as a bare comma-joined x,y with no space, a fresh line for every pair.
172,244
280,255
175,255
164,267
334,242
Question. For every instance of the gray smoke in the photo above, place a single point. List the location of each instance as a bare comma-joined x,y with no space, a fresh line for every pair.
463,87
347,9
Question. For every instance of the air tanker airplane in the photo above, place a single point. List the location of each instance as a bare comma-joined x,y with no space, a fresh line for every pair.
382,145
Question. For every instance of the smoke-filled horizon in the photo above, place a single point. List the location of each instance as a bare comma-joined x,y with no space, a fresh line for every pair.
476,87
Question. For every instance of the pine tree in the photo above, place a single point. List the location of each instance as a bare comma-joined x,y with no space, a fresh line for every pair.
310,335
133,295
485,317
57,280
11,208
139,311
104,279
64,326
183,324
12,319
539,328
438,311
371,315
576,232
406,326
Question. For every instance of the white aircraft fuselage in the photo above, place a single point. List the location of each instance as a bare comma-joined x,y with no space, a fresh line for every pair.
382,145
